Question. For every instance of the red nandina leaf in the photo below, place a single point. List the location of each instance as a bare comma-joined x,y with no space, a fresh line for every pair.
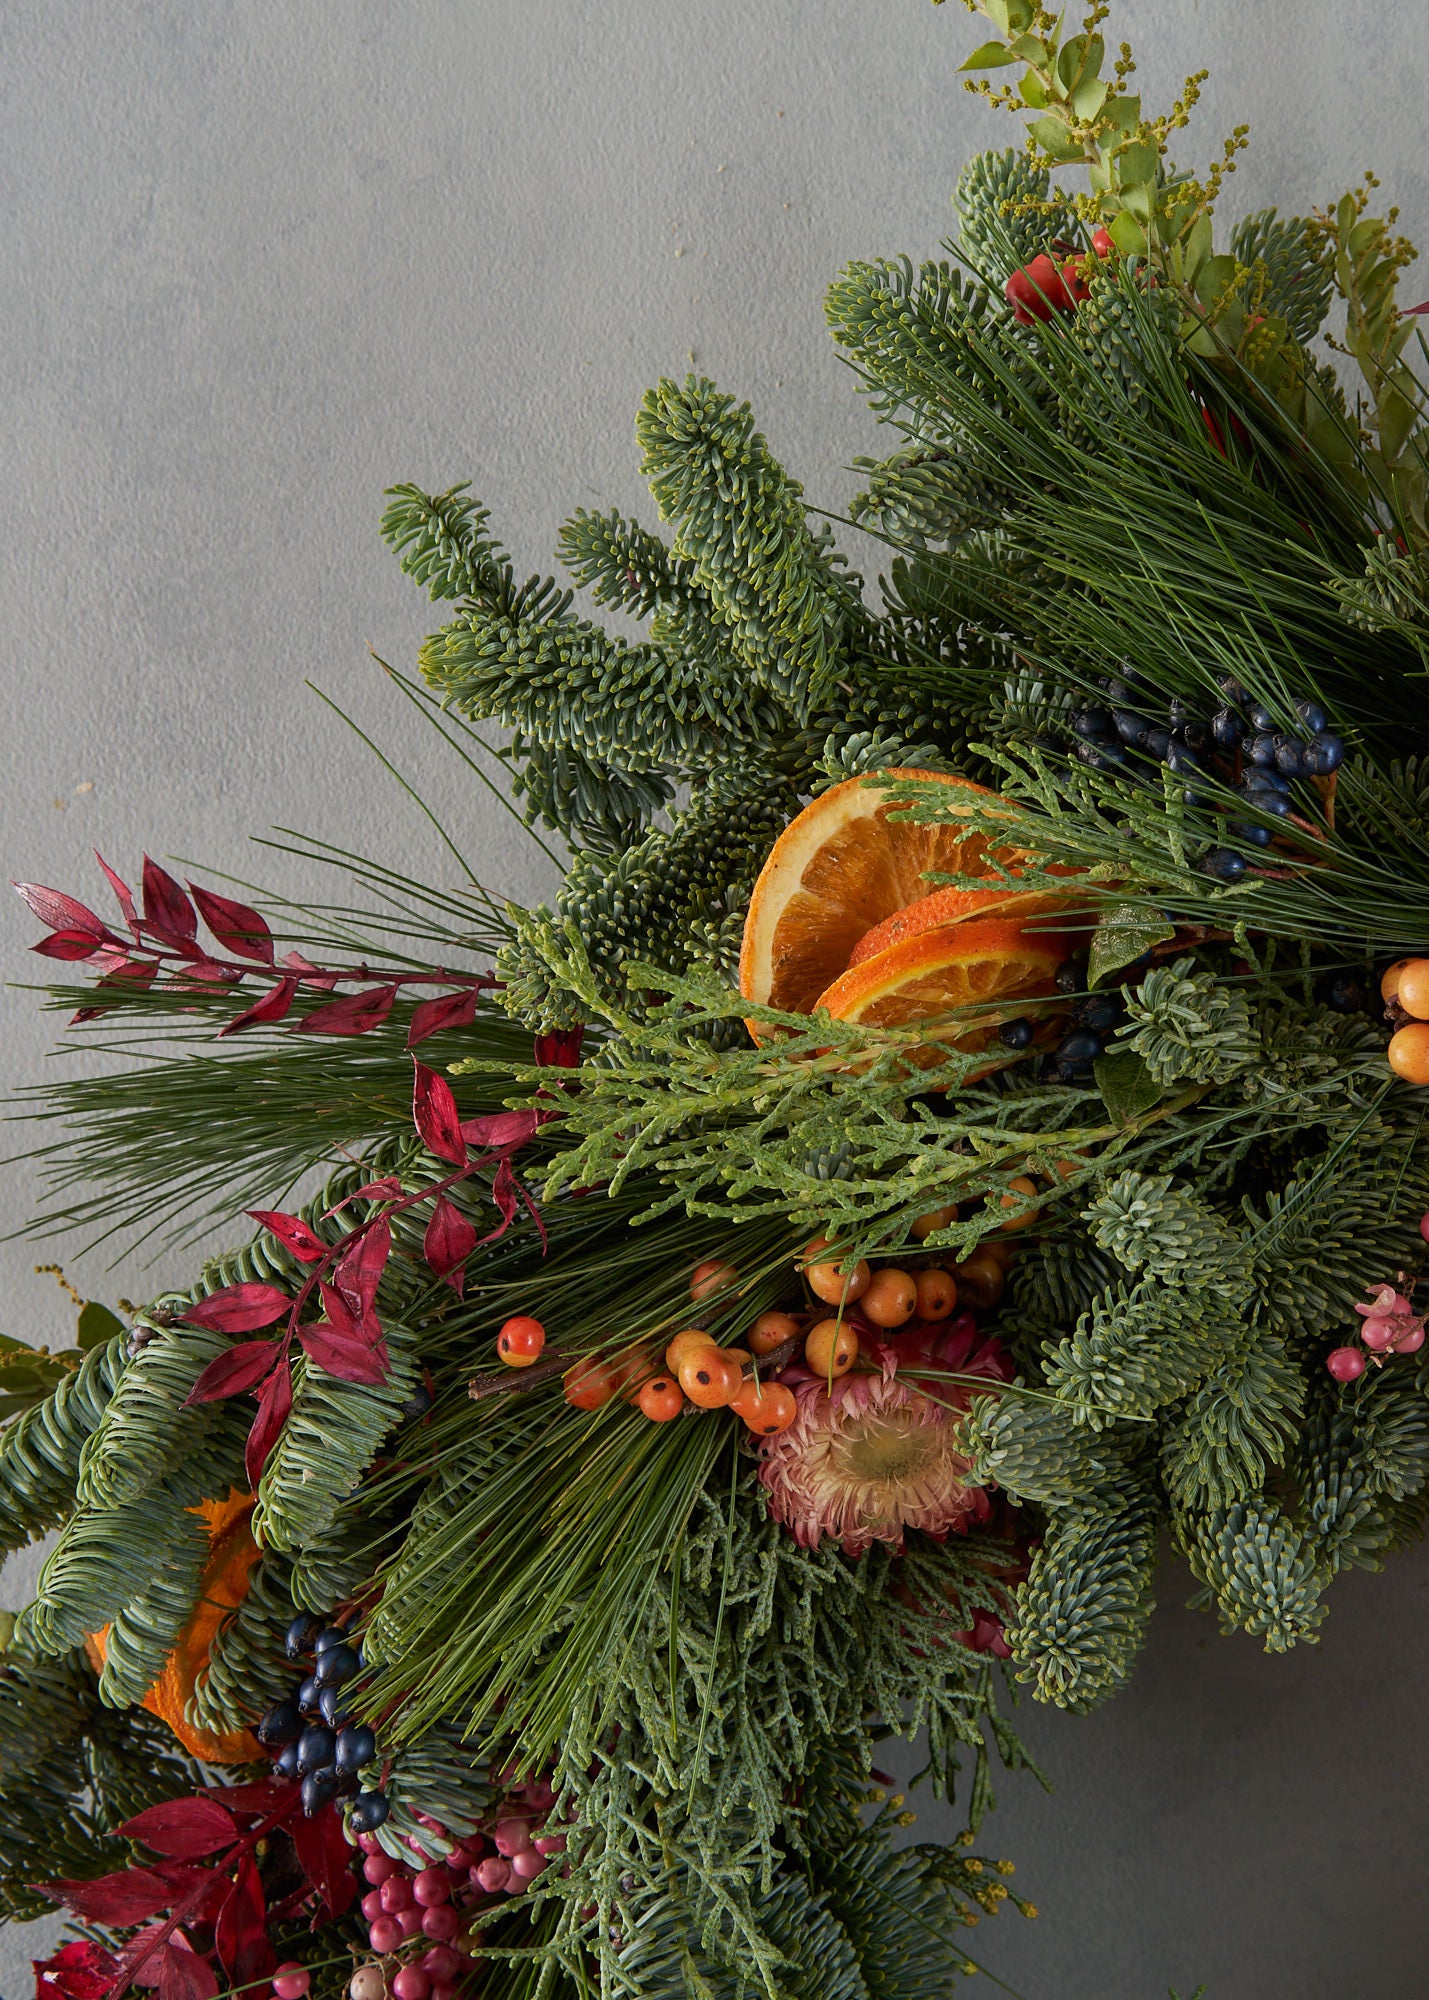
207,972
128,1897
236,927
242,1368
79,1970
240,1931
359,1269
505,1192
348,1356
183,1828
239,1308
435,1115
168,913
139,972
387,1189
59,912
449,1241
503,1131
275,1400
183,1975
1408,312
257,1800
272,1007
451,1010
560,1050
340,1313
354,1014
292,1231
68,944
123,894
313,975
326,1859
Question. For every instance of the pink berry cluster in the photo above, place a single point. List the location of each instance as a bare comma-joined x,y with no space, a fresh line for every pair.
421,1913
1390,1325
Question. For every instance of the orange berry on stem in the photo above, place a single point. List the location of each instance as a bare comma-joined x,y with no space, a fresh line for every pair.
692,1341
1021,1192
766,1407
714,1275
1389,983
661,1399
589,1385
827,1281
936,1218
981,1280
1412,992
892,1297
937,1294
710,1379
771,1330
1409,1052
831,1347
520,1341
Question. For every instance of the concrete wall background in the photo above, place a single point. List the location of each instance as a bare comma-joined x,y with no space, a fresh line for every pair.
260,261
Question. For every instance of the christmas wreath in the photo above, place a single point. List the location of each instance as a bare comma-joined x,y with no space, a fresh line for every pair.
957,1126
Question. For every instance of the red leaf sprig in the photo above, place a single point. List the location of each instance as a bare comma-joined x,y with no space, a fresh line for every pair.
202,1904
343,1277
164,937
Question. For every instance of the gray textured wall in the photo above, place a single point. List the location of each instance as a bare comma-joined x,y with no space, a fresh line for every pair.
261,260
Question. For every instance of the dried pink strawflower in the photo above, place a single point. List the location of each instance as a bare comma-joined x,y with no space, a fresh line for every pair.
882,1452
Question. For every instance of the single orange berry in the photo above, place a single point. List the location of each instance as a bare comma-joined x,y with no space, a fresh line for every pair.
827,1281
692,1341
1020,1193
981,1280
1002,1248
1389,983
771,1330
1409,1052
589,1385
766,1407
937,1294
714,1275
936,1218
709,1379
520,1341
891,1297
831,1347
661,1399
1412,992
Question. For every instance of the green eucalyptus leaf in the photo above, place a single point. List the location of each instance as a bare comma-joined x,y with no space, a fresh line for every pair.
1122,936
97,1324
1034,91
992,55
1127,1086
1050,134
1088,97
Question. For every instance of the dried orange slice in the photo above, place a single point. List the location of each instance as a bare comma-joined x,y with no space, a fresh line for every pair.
834,873
972,964
952,906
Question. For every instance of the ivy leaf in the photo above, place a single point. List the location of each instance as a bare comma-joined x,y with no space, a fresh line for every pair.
243,1367
1127,1086
1122,936
293,1233
236,927
449,1010
275,1401
435,1115
239,1308
183,1828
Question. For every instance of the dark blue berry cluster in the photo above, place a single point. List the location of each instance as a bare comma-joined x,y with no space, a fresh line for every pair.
1240,744
1092,1019
313,1731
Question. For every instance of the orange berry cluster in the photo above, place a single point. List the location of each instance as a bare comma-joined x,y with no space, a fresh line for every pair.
1405,989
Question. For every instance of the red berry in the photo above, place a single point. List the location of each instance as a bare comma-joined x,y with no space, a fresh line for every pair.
493,1874
527,1865
431,1886
440,1923
411,1983
1346,1364
371,1906
385,1935
409,1921
1378,1334
396,1893
378,1867
512,1835
1103,243
1424,1225
520,1341
590,1385
441,1963
291,1981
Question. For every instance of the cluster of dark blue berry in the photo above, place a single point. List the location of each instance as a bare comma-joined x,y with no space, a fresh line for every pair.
314,1732
1086,1028
1241,745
